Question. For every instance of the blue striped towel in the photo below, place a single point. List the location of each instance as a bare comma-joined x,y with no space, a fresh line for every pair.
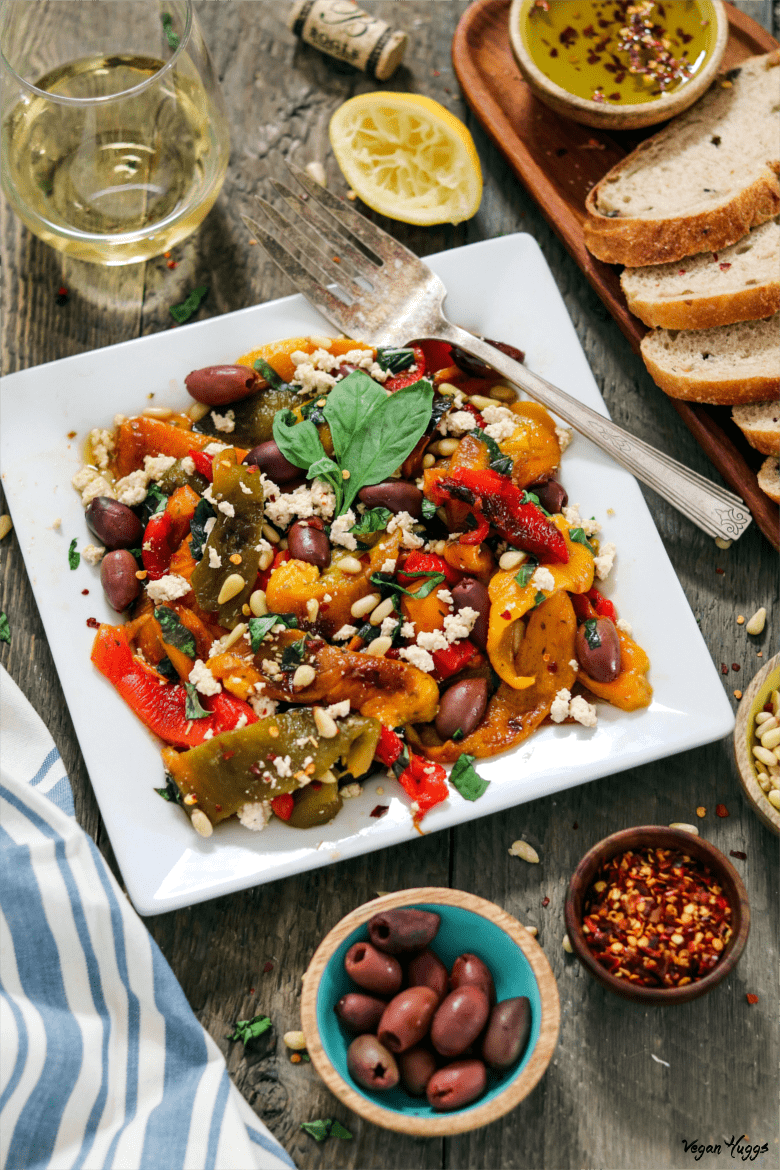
102,1062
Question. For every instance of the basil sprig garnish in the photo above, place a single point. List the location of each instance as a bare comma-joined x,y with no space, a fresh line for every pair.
260,626
192,707
170,791
269,373
499,462
175,633
246,1030
325,1127
394,360
578,535
591,633
465,778
374,520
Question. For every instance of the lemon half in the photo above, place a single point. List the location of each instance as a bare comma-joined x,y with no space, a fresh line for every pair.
407,157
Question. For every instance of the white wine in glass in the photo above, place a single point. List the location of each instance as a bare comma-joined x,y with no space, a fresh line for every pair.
117,155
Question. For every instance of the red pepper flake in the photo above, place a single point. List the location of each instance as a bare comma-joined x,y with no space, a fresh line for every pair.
379,810
723,668
436,73
725,267
682,271
721,810
506,615
62,297
268,967
751,998
93,623
545,901
735,666
85,592
720,571
172,264
738,853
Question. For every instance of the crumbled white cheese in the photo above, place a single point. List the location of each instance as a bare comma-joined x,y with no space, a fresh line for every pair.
168,588
119,419
208,526
188,465
625,625
571,514
560,705
93,553
102,444
215,560
208,493
432,640
459,625
502,423
91,483
408,630
564,436
242,722
364,360
316,499
543,578
340,530
262,707
246,490
131,489
404,523
203,680
155,466
349,791
214,448
57,523
574,664
389,626
583,711
418,657
458,422
311,380
338,710
224,422
226,508
344,633
255,816
283,765
388,566
605,560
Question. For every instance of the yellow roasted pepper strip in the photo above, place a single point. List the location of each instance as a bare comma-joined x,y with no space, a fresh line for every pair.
630,690
509,602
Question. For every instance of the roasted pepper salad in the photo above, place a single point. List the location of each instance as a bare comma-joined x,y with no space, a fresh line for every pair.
341,559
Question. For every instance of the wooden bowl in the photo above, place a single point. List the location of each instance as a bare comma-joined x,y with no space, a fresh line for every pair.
468,924
615,117
658,836
753,700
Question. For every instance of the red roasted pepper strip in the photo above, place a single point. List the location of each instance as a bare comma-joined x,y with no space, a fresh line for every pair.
283,805
389,747
265,576
425,782
454,658
478,534
602,605
496,498
203,463
160,704
156,549
410,376
582,607
423,562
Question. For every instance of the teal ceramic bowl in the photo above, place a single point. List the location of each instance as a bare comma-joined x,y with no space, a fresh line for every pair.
468,924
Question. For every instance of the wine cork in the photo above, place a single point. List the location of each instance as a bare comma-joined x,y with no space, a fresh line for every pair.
342,30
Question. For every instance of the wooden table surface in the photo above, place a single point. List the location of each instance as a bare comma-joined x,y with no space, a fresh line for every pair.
626,1087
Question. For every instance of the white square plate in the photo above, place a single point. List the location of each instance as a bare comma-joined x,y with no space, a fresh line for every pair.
500,288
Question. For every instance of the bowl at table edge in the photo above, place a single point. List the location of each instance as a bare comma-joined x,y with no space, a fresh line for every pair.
753,700
658,836
614,117
468,924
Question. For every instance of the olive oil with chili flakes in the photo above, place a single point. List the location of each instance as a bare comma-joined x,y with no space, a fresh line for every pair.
581,46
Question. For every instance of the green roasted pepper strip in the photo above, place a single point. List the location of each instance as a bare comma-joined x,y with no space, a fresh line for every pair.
253,417
238,530
266,759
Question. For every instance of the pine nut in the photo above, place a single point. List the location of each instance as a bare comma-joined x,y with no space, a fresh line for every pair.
5,526
349,565
231,587
448,447
440,547
525,851
201,823
198,410
518,633
480,401
532,930
284,543
763,716
770,739
448,389
721,542
265,562
270,534
304,676
328,778
363,605
325,723
233,636
161,412
774,798
765,756
428,460
774,698
384,609
312,609
379,647
764,782
510,560
685,828
441,514
296,1040
257,603
567,945
503,393
756,624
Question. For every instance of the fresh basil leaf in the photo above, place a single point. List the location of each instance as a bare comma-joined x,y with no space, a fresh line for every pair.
394,360
578,535
260,626
529,498
269,373
246,1030
368,632
166,668
428,508
442,404
313,411
292,655
326,469
203,513
192,707
539,597
190,304
5,629
74,558
153,502
340,1131
298,442
170,791
349,409
457,735
464,777
171,37
385,581
524,574
499,462
592,633
374,520
175,633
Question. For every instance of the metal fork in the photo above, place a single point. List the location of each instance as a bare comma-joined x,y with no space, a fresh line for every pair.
374,289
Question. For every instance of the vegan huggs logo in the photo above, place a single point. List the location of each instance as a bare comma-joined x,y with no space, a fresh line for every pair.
738,1147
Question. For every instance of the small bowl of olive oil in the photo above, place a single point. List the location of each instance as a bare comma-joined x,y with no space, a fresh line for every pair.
617,64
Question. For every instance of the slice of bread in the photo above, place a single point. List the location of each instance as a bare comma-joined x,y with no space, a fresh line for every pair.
760,424
727,365
740,283
769,480
701,183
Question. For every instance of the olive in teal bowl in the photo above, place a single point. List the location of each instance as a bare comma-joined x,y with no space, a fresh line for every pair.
468,924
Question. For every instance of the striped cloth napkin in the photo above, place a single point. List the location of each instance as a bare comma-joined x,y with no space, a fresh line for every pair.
102,1062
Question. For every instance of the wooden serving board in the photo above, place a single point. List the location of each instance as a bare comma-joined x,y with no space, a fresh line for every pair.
559,161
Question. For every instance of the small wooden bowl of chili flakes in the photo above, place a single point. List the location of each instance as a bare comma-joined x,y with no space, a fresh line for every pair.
657,915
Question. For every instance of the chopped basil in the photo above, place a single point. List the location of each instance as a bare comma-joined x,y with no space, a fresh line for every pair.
388,583
374,520
166,668
5,629
260,626
592,633
457,735
325,1127
269,373
74,558
292,655
428,508
246,1030
313,411
394,360
175,633
171,37
192,707
442,404
203,513
189,305
153,502
368,632
465,778
578,535
169,792
340,1131
525,573
499,462
539,597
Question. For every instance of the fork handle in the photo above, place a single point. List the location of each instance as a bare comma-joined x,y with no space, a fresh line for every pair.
716,511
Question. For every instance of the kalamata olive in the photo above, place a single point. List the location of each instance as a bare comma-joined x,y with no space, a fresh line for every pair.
507,1032
469,969
407,1018
403,931
219,385
477,368
459,1020
372,970
360,1013
552,495
462,706
597,647
117,576
456,1085
417,1067
370,1064
397,495
268,457
472,593
114,524
427,970
309,543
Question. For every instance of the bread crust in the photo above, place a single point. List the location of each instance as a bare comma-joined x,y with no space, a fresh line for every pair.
761,435
717,392
768,480
749,304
